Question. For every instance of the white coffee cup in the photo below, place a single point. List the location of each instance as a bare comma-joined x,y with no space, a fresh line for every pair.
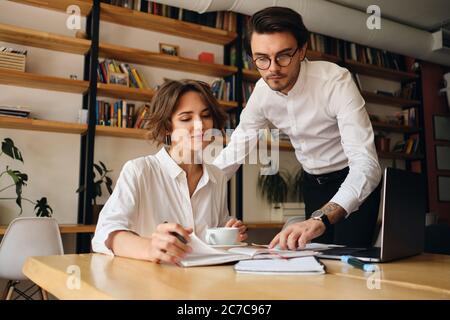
222,236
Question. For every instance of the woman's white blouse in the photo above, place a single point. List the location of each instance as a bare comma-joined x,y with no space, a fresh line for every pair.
153,189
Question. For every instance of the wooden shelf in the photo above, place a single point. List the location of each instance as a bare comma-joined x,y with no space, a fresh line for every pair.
37,81
372,97
142,20
122,92
250,75
394,127
31,80
317,55
46,40
399,156
42,125
130,133
70,128
379,72
160,60
59,5
65,228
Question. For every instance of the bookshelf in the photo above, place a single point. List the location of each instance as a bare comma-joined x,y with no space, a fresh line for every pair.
60,5
389,101
164,61
141,20
42,125
38,81
46,40
87,47
395,127
379,72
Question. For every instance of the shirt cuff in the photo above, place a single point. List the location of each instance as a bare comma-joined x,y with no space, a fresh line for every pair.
100,237
346,200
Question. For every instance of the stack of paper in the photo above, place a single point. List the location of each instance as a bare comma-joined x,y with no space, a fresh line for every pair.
296,266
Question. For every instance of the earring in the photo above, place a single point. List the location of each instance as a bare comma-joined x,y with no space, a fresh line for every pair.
168,140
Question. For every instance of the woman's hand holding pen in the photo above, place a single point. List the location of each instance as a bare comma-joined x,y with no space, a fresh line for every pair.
234,223
167,245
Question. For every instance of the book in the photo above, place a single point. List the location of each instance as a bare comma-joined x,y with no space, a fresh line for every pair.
14,111
297,266
204,255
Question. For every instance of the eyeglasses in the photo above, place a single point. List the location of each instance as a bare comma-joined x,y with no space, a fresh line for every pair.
282,60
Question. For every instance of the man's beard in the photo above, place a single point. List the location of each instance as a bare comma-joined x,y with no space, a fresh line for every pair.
278,84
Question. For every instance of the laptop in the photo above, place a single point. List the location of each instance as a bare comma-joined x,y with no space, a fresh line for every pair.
402,232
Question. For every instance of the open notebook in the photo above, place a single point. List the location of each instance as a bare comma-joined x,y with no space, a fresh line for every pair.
203,255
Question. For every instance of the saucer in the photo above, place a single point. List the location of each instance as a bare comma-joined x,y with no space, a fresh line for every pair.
240,244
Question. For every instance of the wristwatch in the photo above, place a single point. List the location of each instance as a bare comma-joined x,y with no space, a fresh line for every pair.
321,216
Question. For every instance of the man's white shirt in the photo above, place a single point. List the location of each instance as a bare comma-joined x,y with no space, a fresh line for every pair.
325,118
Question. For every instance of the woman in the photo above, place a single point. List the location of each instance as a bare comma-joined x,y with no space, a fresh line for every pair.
157,197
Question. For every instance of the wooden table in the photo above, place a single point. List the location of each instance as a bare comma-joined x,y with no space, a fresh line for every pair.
102,277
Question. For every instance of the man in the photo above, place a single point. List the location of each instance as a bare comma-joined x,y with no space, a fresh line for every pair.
319,107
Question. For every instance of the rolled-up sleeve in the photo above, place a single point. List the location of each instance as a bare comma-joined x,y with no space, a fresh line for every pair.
357,139
120,211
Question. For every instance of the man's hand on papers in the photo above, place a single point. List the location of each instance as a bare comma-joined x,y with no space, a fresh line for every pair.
297,235
234,223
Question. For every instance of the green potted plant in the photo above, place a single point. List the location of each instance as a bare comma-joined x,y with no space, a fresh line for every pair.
100,178
274,188
279,188
296,206
19,180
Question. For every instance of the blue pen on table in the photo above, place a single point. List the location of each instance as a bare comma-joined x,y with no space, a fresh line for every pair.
178,236
367,267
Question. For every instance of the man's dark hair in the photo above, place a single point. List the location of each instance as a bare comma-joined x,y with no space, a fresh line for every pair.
276,19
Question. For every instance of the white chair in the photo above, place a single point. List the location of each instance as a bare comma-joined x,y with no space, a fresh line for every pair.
27,237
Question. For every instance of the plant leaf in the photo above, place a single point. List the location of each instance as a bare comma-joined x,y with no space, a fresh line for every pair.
98,189
81,189
11,150
103,166
99,169
42,208
19,179
108,183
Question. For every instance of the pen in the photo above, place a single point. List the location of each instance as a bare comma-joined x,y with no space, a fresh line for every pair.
367,267
177,235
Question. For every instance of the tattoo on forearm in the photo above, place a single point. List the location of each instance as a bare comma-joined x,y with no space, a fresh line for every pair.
330,207
334,212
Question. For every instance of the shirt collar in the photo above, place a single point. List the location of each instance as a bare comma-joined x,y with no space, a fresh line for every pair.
174,170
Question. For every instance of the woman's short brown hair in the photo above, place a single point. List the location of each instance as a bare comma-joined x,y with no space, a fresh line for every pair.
166,100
